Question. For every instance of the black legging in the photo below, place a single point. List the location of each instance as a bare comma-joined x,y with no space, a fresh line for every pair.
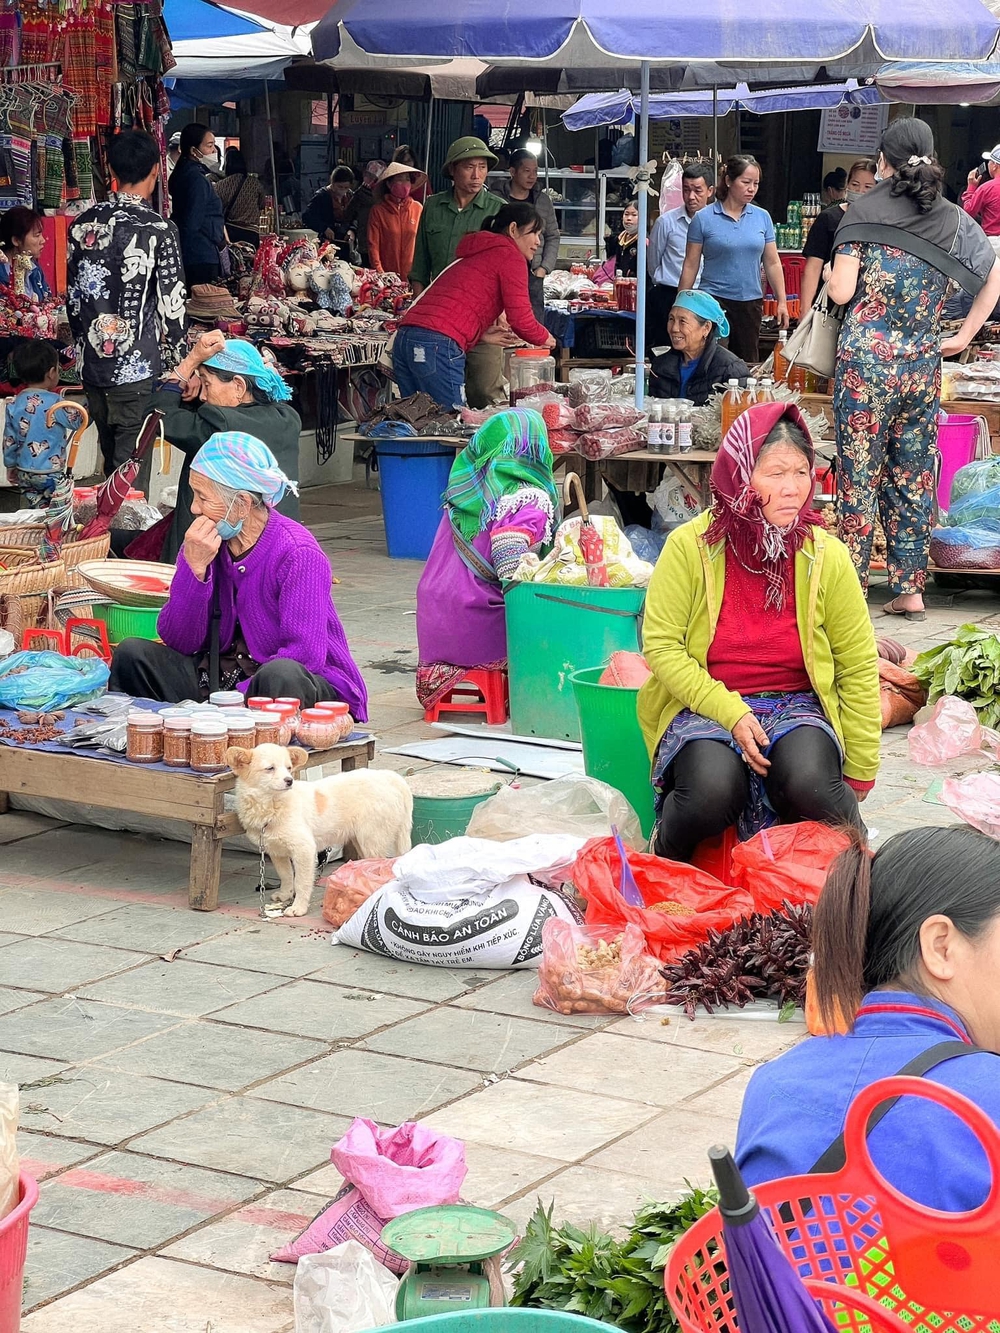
711,786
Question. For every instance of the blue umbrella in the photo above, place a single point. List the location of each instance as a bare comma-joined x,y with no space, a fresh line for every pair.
766,1290
596,109
187,19
593,34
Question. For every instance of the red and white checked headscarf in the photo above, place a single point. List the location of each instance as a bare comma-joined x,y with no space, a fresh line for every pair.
737,514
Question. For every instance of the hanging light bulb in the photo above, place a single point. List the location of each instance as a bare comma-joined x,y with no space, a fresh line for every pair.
534,146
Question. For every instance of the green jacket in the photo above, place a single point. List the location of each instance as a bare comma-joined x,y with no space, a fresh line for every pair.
838,642
442,226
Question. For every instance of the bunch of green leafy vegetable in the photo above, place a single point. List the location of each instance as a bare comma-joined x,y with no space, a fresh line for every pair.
968,666
593,1274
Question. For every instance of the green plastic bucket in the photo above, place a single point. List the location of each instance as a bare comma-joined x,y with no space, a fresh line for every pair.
554,631
438,818
128,622
613,748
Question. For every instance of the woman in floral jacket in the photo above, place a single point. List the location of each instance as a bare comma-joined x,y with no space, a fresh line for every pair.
887,391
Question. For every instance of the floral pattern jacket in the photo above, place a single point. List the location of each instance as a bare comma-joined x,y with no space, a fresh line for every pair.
125,293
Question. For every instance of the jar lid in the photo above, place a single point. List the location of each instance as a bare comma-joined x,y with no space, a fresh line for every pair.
222,698
233,710
536,353
335,706
314,715
268,719
288,699
283,709
179,723
146,720
260,701
241,725
208,726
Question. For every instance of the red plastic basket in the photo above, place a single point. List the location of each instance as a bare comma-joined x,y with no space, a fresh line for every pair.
873,1257
13,1248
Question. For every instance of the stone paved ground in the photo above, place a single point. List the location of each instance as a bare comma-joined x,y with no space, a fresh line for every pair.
184,1075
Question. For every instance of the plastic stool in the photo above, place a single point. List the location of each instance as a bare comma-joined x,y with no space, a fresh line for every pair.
477,692
62,640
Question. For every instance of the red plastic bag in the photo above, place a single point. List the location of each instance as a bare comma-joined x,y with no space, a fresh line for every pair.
591,972
352,884
787,863
596,874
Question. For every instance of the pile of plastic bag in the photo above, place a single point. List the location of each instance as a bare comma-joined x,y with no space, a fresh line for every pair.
565,563
969,535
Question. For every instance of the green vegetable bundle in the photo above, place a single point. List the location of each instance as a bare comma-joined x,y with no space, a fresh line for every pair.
969,667
592,1274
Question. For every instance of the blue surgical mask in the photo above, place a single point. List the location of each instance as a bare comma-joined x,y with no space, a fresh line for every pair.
226,530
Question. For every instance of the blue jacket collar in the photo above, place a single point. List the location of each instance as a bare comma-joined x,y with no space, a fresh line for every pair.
890,1013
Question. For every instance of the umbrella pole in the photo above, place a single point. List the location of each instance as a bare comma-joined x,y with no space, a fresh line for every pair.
270,145
430,126
715,127
640,268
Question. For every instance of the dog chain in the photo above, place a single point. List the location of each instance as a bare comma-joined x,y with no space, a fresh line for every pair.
261,886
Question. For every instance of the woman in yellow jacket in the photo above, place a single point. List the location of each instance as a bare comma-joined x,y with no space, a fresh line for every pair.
763,705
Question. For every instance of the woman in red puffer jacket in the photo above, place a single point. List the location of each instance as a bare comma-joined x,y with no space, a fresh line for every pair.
488,278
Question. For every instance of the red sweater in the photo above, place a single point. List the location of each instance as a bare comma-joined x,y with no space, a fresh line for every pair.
756,651
490,278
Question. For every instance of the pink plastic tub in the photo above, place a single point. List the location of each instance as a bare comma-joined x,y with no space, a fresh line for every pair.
957,437
13,1248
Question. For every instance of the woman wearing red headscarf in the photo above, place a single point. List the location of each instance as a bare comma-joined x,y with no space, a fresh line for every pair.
763,705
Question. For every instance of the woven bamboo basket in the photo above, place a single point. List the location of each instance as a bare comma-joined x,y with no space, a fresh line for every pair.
21,536
75,553
26,594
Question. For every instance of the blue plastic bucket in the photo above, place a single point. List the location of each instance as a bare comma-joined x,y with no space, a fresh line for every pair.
414,475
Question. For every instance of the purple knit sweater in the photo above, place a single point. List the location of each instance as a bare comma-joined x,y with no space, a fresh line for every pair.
279,592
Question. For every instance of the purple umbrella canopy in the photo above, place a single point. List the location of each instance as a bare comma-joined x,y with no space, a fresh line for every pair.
766,1290
598,32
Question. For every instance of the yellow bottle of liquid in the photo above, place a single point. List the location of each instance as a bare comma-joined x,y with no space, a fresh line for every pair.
781,366
765,394
732,405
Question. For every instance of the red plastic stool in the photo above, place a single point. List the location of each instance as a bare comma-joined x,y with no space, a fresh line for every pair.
477,692
715,855
62,640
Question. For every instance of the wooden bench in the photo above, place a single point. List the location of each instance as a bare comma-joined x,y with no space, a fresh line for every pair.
194,797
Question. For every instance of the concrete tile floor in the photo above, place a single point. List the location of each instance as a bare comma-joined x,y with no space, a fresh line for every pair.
181,1113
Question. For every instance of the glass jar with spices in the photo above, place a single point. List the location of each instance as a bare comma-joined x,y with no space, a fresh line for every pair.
209,742
144,738
226,699
241,730
267,728
288,715
338,709
177,741
318,728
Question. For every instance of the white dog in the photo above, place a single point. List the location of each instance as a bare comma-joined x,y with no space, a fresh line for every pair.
371,809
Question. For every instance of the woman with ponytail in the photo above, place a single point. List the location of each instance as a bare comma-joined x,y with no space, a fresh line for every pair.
894,254
907,945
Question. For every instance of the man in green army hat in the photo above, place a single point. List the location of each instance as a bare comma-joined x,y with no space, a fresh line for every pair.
447,217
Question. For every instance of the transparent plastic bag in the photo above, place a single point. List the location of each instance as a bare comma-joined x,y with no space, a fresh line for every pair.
952,730
966,547
574,804
352,884
344,1290
595,971
671,190
976,478
979,509
10,1163
43,681
975,799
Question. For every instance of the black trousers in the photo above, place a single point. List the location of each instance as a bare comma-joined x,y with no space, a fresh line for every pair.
711,786
744,328
118,413
659,303
148,670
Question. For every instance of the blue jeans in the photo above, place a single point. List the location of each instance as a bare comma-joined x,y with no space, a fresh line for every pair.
429,362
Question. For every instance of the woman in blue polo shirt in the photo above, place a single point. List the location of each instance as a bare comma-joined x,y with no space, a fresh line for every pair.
907,946
734,237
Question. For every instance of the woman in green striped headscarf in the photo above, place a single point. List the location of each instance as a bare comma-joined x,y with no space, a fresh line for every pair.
501,503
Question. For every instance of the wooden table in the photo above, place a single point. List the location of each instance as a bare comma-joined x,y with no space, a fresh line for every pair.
194,797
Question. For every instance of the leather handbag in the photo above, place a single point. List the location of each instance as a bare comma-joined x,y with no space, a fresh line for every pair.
813,345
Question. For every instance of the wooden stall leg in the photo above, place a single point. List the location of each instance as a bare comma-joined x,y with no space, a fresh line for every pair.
4,802
349,765
206,869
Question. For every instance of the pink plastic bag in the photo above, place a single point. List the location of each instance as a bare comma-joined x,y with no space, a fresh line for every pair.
951,730
976,799
387,1172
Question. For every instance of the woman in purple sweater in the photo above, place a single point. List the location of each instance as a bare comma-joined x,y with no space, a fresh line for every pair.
266,582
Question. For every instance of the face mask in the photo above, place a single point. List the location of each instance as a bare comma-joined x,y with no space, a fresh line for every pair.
631,227
210,159
226,530
400,189
852,196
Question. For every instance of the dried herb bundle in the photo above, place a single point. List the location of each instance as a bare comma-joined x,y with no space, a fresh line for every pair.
759,957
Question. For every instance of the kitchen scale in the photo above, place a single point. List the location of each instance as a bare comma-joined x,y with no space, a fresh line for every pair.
446,1247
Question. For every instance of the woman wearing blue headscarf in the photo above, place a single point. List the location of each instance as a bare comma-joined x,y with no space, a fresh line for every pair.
697,365
224,385
250,604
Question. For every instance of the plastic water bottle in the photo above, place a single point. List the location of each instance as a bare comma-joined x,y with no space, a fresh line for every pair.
653,437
